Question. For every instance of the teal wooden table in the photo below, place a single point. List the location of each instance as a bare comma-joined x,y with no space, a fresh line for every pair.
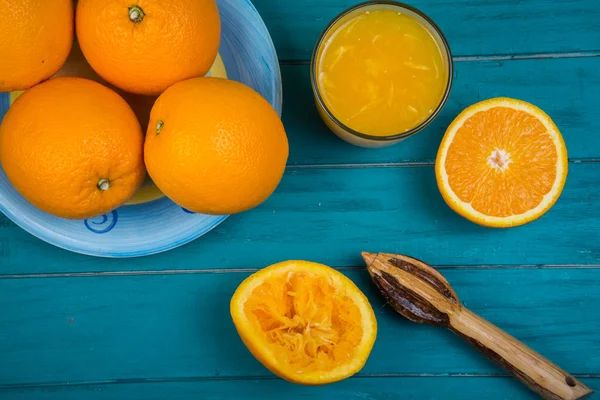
75,327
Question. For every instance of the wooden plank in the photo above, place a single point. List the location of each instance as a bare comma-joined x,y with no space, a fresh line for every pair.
567,89
406,388
473,27
178,326
330,215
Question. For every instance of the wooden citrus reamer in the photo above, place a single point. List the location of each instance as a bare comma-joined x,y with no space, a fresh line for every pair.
421,294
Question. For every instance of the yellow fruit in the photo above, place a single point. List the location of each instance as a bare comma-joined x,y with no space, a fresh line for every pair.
502,163
72,148
215,146
305,322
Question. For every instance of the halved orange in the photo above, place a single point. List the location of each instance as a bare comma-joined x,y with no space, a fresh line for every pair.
501,163
305,322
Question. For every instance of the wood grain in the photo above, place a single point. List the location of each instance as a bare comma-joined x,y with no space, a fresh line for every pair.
178,326
169,336
329,215
364,388
420,293
473,27
538,373
567,89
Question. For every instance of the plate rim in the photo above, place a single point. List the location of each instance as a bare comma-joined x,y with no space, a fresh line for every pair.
45,234
49,236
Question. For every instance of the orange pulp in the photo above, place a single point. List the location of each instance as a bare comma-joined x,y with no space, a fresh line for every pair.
381,72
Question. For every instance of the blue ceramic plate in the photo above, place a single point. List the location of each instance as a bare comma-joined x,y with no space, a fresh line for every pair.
135,230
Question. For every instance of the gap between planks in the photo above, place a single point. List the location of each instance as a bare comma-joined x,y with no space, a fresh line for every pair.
252,270
559,55
129,381
496,57
405,164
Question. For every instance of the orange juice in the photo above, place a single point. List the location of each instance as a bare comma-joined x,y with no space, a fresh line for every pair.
382,71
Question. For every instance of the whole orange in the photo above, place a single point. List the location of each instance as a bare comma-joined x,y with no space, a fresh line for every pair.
145,46
35,40
72,148
215,146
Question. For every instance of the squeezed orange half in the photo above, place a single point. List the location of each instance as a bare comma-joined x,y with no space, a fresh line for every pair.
382,71
306,322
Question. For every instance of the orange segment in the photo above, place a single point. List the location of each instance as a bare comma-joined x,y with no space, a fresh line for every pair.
306,322
502,163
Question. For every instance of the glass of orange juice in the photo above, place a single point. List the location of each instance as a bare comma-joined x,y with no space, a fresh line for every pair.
381,71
